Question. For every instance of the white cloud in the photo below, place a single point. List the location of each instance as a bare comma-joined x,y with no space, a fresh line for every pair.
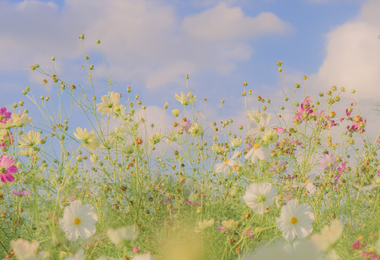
144,41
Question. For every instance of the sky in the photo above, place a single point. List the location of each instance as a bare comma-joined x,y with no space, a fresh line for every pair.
152,45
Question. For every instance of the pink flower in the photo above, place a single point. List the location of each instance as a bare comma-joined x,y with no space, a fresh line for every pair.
328,163
280,130
136,249
4,115
20,192
356,245
185,125
7,169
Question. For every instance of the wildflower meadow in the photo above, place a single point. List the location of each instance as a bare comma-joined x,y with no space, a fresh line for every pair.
294,182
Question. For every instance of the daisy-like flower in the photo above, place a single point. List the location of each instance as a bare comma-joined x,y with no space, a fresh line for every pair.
188,100
256,153
256,116
202,225
20,193
329,235
173,136
225,166
295,220
261,126
309,183
185,125
78,220
260,196
4,115
20,121
30,139
110,102
78,256
270,136
89,139
24,250
328,162
122,234
7,169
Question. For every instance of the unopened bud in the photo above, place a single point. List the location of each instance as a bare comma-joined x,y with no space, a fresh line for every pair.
279,63
245,83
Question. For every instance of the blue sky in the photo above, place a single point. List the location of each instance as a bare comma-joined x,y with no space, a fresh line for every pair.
152,45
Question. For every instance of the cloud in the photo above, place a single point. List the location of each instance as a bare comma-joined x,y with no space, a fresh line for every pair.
144,41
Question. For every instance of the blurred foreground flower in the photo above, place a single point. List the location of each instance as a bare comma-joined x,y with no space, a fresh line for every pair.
122,234
89,139
225,166
329,235
78,220
78,256
24,250
7,169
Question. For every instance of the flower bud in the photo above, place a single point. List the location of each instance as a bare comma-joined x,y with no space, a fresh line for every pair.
175,112
187,76
91,67
45,81
97,42
333,88
245,83
279,63
166,105
304,77
280,69
353,91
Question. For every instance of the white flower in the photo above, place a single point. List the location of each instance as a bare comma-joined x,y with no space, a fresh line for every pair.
260,196
144,257
89,139
260,127
110,102
329,235
122,234
256,115
309,183
372,186
173,136
225,166
256,153
78,220
188,100
295,220
25,250
196,130
30,139
202,225
216,148
235,142
78,256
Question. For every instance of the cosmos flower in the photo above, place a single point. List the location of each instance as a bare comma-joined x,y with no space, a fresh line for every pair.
188,100
328,162
329,235
20,192
7,169
30,139
78,221
78,256
185,125
110,103
122,234
256,153
295,220
260,127
225,166
260,196
89,139
309,183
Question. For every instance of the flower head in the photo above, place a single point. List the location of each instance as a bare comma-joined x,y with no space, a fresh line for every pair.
295,220
89,139
78,220
196,130
7,169
122,234
110,103
260,196
224,166
185,125
20,192
188,100
256,153
328,162
4,115
329,235
30,139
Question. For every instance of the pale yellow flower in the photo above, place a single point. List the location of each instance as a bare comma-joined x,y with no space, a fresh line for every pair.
196,130
329,235
110,102
202,225
122,234
30,139
155,138
186,100
89,139
20,121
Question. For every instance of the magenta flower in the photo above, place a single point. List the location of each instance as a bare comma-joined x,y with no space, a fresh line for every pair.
280,130
4,115
184,126
328,162
356,245
7,169
136,249
20,192
167,199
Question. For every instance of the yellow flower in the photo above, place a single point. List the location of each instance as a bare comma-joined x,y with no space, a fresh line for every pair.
89,139
188,100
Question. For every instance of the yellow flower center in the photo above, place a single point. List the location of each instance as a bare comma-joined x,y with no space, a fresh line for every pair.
307,181
226,160
256,146
76,221
293,220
